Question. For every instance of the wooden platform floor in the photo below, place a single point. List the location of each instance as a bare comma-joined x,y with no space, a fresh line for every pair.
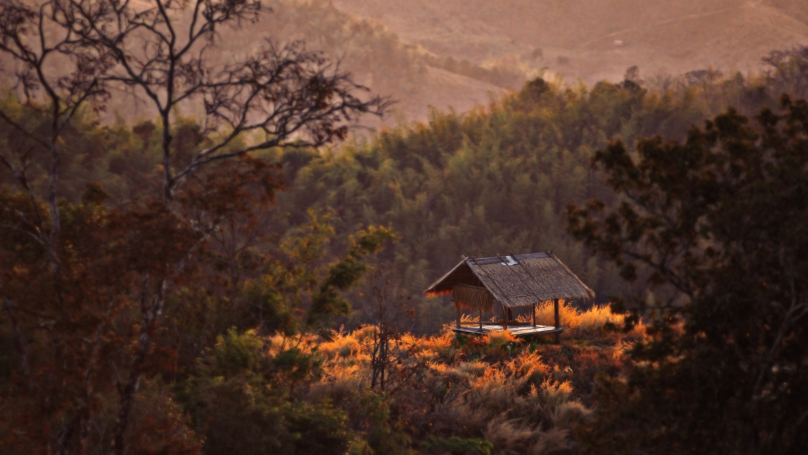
517,330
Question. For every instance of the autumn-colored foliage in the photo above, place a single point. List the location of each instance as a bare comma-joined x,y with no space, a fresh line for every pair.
492,393
227,285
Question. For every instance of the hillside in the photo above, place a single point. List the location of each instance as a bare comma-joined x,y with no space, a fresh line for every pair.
454,54
377,58
596,40
372,54
438,89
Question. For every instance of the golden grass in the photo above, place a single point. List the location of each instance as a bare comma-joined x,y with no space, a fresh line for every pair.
579,323
523,397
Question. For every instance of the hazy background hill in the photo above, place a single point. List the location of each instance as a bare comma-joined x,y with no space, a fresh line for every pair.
458,54
595,40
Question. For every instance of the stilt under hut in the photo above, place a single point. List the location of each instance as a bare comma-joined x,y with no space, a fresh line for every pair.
519,280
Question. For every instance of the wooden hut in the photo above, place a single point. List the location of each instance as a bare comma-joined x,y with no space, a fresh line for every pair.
521,280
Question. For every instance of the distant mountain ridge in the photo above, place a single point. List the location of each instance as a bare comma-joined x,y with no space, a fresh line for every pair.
460,54
596,39
372,54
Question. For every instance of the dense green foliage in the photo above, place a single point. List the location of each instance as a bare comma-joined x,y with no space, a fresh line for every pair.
498,180
720,219
492,181
238,400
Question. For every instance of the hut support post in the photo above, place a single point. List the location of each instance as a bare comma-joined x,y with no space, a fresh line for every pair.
457,322
481,319
505,316
557,321
534,315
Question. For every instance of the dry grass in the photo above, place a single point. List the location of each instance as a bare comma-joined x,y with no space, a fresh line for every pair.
522,397
582,324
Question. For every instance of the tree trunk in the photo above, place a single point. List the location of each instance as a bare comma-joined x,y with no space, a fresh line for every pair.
127,392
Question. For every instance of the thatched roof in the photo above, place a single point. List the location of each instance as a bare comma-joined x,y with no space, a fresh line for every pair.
516,280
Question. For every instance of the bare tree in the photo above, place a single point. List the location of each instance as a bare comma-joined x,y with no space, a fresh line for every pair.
57,74
287,94
61,72
392,361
